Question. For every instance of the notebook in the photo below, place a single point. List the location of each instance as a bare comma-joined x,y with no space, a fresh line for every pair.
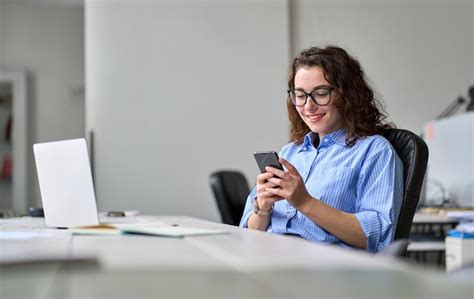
151,229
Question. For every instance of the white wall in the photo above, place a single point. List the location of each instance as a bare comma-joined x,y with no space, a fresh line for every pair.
176,90
418,54
159,136
2,31
47,40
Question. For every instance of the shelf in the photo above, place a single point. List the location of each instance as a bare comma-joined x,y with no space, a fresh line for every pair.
5,106
6,100
13,103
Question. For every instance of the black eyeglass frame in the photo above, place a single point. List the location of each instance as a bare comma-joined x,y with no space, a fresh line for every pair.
328,88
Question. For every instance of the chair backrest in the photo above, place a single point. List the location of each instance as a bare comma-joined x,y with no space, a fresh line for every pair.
413,152
230,189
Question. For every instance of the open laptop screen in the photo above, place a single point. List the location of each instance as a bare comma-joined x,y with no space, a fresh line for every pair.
65,182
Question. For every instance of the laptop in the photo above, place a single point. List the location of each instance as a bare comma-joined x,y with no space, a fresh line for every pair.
65,181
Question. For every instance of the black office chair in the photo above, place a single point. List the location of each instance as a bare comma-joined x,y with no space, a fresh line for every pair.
413,152
230,189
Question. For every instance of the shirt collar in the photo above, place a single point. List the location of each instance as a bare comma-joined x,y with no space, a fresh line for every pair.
309,139
338,137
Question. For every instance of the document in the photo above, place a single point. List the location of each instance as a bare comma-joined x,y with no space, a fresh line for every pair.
172,231
157,229
101,229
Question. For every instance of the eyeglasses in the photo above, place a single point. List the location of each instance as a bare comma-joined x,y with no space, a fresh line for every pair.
320,95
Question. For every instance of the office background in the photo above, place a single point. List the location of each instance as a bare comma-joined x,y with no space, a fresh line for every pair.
176,90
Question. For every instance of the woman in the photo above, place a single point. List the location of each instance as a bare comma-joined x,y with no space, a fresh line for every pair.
343,181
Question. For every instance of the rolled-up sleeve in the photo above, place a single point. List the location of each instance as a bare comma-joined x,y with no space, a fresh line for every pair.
248,208
379,198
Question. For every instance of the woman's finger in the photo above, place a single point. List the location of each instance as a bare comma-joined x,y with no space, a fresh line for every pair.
263,177
276,191
275,171
275,181
291,169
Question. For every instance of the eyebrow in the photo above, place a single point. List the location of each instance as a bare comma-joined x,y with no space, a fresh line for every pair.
317,87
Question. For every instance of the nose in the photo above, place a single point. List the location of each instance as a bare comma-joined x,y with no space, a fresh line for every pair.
310,104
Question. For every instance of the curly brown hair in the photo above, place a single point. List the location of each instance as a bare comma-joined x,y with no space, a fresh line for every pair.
361,112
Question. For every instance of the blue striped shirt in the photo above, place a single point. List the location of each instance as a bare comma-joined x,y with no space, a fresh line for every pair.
365,180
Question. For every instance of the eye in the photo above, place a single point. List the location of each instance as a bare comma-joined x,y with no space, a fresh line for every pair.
299,94
321,93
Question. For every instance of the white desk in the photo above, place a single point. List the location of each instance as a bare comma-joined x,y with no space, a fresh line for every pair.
244,263
423,218
429,220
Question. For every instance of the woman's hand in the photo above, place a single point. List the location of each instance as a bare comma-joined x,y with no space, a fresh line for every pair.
288,184
265,202
265,198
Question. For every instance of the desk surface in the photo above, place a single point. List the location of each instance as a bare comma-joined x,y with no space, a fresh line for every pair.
243,263
426,246
424,218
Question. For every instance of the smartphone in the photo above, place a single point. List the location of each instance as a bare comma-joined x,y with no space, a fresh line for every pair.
265,159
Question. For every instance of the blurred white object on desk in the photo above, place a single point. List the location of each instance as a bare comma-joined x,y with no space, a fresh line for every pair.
459,252
461,215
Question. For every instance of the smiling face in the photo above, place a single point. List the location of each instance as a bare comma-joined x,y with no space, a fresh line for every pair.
320,119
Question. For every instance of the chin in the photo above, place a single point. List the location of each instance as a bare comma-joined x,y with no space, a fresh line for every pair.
321,129
317,128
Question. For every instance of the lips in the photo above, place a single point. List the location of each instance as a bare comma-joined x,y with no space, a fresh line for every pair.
315,117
